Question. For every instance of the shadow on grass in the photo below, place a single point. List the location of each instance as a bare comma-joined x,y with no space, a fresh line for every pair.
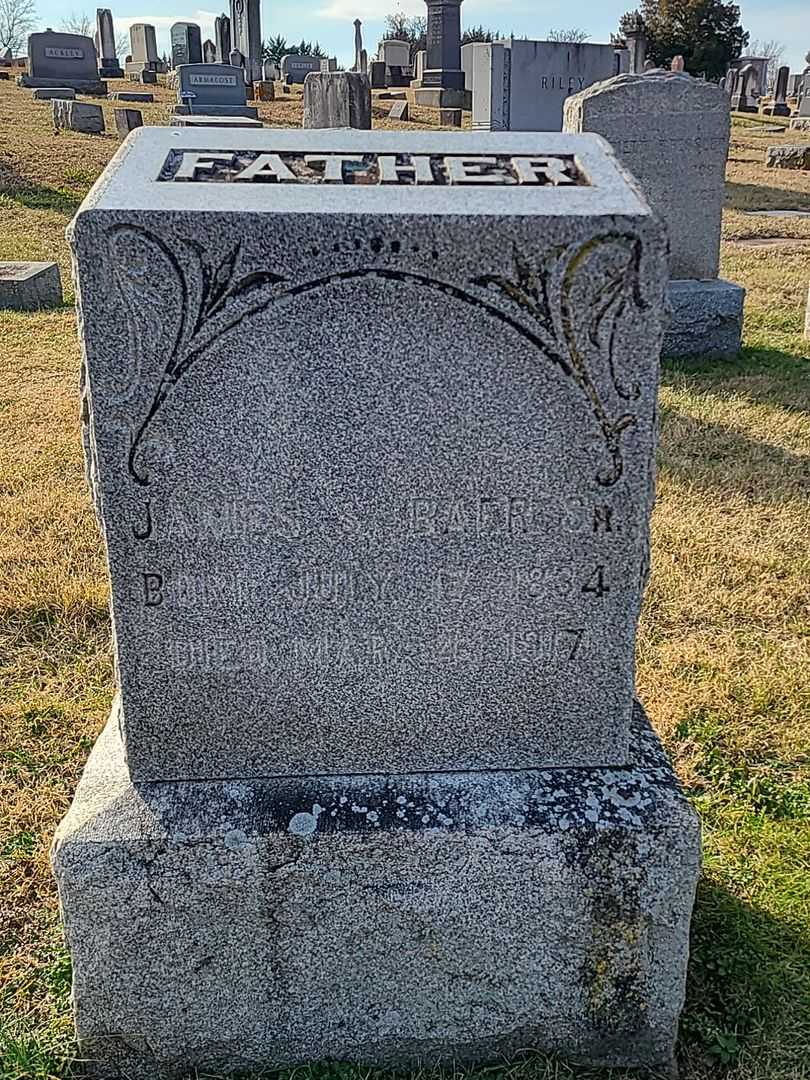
757,197
787,388
36,196
748,982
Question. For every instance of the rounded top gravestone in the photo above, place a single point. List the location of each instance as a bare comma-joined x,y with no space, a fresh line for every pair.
672,133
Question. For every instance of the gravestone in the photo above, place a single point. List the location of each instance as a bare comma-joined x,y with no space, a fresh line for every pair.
637,41
265,90
295,68
396,55
127,120
246,35
743,99
270,71
672,133
780,106
358,47
109,68
329,65
209,52
62,60
186,41
145,76
78,116
212,89
48,93
419,60
523,85
399,111
216,121
443,80
143,43
374,607
132,95
29,286
339,99
788,157
222,38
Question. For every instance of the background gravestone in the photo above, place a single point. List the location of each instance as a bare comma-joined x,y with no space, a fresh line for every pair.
78,116
143,43
216,89
362,595
295,68
186,41
522,85
337,100
29,286
246,35
56,59
109,68
672,133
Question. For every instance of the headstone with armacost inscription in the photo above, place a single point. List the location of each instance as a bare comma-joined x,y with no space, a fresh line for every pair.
213,90
374,606
671,132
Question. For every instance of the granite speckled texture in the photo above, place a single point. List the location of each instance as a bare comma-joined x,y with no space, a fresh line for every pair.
342,541
79,116
384,919
706,319
671,132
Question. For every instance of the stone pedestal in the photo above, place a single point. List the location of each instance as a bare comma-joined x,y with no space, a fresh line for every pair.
391,920
706,319
443,62
29,286
438,98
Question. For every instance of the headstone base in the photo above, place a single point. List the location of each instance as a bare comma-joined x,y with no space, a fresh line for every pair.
95,88
775,110
29,286
111,72
203,120
706,319
250,111
437,98
393,920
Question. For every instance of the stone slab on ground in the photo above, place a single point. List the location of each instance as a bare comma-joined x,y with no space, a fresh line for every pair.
234,112
392,920
198,121
788,157
400,110
78,116
48,93
324,593
29,286
90,87
132,95
706,319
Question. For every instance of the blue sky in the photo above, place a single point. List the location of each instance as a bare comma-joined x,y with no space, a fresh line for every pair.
330,21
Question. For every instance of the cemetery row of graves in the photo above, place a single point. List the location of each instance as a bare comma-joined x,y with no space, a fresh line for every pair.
455,716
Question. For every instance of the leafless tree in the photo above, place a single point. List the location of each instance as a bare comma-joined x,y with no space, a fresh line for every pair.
17,19
78,23
568,37
774,50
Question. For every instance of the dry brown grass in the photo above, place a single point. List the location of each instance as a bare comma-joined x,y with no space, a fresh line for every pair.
724,647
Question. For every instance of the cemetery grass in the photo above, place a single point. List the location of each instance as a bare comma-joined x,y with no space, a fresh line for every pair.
724,645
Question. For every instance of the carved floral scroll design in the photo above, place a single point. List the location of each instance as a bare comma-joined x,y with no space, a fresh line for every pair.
539,302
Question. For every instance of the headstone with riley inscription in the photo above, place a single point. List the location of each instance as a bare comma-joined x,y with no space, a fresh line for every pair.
57,59
375,609
671,132
213,90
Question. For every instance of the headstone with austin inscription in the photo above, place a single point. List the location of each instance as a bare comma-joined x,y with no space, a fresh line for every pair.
374,607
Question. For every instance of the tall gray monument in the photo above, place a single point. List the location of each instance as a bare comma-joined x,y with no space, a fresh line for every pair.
246,35
443,83
186,41
376,786
222,38
143,51
672,133
109,68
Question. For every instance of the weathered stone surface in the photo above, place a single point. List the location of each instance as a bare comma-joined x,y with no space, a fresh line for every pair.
672,133
78,116
706,320
788,157
325,557
295,68
339,99
132,95
450,117
799,123
399,111
186,40
127,120
246,35
48,93
29,286
214,89
214,121
265,90
419,918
